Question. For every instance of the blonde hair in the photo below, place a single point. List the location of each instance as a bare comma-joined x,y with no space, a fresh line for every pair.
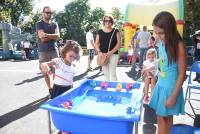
110,17
151,51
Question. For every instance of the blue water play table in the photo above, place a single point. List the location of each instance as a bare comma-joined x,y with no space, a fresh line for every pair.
98,108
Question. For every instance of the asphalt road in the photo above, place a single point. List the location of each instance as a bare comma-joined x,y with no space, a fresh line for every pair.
22,91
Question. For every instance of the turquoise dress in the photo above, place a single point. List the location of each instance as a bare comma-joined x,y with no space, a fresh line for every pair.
164,87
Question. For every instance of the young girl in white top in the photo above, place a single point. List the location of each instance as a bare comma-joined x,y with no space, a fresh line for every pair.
150,71
64,72
63,69
130,54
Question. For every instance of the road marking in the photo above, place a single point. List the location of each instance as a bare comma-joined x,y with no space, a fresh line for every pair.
20,71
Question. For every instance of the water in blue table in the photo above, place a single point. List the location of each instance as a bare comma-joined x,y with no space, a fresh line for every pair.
91,106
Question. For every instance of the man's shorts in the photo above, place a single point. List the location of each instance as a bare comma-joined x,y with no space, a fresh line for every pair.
91,53
47,56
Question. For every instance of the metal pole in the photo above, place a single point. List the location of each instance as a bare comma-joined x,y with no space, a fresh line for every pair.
49,122
136,127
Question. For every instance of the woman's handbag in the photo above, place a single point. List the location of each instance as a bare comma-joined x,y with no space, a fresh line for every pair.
102,58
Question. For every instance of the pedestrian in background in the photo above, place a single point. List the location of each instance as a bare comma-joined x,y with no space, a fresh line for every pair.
11,49
27,46
134,43
90,46
143,38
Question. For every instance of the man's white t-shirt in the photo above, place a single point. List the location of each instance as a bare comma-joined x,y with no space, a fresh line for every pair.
143,37
64,71
10,46
27,44
89,40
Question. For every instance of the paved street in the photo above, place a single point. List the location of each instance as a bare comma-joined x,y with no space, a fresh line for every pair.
22,91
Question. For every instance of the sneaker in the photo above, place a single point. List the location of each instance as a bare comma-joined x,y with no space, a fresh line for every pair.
89,69
195,79
100,69
50,93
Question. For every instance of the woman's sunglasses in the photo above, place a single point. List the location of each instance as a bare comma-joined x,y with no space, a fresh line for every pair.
107,21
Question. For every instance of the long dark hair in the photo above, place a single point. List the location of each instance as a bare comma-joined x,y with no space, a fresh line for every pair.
167,22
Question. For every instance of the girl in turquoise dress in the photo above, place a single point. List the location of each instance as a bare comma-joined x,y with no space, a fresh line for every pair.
167,98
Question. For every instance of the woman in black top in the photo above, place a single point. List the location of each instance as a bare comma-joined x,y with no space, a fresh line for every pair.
102,44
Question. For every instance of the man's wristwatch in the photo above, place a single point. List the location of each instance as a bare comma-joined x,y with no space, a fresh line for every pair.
45,36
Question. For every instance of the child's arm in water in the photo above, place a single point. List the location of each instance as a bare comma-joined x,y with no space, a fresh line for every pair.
181,75
45,66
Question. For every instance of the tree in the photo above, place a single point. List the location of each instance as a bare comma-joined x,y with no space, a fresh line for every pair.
96,17
73,19
29,26
15,10
118,20
4,16
19,9
118,17
5,10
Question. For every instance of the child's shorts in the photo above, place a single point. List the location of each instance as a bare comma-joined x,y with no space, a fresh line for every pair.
130,58
150,75
59,89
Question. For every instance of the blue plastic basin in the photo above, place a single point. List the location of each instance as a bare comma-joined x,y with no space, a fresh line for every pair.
97,110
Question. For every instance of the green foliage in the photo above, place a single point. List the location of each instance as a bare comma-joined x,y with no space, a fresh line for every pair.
5,10
19,9
74,19
5,4
29,26
96,17
118,18
15,10
4,16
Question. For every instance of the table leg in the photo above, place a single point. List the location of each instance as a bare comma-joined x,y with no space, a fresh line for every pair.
136,128
49,122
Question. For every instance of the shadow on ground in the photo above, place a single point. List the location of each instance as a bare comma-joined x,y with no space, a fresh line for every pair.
83,75
29,80
134,74
149,120
21,112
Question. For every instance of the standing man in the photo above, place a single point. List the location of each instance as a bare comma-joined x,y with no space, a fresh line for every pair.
27,46
143,38
48,33
134,44
90,46
11,49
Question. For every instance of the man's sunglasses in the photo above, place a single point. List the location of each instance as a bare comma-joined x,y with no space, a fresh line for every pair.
48,12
